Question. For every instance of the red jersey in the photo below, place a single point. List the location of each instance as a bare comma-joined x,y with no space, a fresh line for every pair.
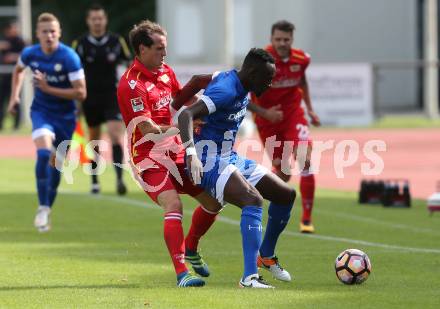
285,89
148,94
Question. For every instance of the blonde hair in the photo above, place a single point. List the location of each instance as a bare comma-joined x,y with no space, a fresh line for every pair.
47,17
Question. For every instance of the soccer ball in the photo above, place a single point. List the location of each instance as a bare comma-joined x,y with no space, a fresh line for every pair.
352,266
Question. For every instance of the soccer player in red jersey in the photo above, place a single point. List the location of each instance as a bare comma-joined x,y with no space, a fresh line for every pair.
145,93
280,115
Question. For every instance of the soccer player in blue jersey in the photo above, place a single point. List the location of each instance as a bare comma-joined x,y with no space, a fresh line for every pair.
231,178
58,80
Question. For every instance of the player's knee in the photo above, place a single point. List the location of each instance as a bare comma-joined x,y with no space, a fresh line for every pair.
284,177
174,205
251,197
286,196
170,201
291,196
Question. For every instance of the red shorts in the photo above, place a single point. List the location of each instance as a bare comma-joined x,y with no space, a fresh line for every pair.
159,180
297,133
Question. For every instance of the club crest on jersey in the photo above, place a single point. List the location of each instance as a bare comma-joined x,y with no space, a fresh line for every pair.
295,68
164,78
137,104
58,67
132,84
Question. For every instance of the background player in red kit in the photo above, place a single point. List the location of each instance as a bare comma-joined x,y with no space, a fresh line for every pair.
145,92
289,88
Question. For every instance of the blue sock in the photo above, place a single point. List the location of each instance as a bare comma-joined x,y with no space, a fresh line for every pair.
41,168
278,217
250,226
53,183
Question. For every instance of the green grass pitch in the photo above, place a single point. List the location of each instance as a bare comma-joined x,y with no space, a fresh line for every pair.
108,252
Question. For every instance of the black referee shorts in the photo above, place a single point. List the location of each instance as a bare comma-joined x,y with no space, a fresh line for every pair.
101,107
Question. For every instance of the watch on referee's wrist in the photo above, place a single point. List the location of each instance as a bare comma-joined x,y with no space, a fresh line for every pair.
191,151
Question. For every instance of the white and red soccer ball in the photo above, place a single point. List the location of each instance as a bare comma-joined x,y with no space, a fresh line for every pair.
352,266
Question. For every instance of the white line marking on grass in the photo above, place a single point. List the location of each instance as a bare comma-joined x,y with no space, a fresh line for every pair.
379,222
146,204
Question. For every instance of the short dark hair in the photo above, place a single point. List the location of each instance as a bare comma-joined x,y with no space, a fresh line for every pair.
257,56
283,25
141,34
95,7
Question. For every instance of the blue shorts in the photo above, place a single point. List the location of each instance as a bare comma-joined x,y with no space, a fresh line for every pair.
218,169
59,128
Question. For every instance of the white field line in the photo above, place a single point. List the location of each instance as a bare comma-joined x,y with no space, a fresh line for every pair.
379,222
141,204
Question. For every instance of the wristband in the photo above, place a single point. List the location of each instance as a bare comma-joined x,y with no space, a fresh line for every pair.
191,151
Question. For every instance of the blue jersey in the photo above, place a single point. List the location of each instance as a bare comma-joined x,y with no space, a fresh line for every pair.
61,68
226,100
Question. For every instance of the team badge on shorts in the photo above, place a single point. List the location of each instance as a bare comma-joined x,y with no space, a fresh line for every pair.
137,104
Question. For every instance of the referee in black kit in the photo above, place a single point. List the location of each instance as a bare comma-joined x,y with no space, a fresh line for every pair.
100,52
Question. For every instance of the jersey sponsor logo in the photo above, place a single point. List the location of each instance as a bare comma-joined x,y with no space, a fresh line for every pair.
164,101
137,104
132,84
237,116
56,79
164,78
58,67
150,87
295,68
284,83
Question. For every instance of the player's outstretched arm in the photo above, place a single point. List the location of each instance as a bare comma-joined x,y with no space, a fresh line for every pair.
306,97
197,110
16,84
191,88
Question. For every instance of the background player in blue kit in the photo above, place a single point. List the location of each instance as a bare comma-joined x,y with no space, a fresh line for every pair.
58,80
229,177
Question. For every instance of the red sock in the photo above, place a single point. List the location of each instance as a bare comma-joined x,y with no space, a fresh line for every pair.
173,234
307,188
201,222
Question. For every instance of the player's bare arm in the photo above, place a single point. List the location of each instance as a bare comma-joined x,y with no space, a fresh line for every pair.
197,110
77,92
314,118
17,83
155,132
273,114
191,88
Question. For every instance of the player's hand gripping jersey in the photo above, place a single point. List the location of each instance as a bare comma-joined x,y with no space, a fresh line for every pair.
285,89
